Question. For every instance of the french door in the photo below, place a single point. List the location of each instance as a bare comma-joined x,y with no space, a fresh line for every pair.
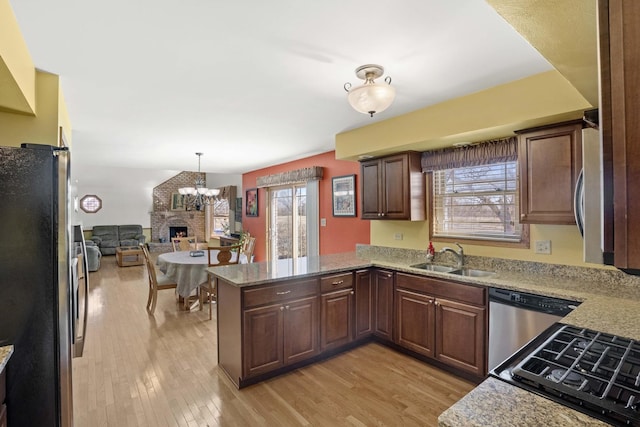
292,228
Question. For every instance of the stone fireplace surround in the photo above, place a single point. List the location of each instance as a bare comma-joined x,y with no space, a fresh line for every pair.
163,217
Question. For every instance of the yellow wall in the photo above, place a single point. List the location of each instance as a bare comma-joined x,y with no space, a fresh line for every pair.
44,127
493,113
17,72
566,242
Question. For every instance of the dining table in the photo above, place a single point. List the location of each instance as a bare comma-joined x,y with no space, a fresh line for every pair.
187,271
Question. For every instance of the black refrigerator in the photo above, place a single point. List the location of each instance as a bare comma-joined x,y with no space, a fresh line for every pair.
36,296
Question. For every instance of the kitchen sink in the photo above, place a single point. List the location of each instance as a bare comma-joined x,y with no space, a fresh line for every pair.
434,267
470,272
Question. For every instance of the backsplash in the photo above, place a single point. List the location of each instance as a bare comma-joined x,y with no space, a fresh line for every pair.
415,256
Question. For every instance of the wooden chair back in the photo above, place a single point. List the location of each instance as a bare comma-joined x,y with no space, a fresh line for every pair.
248,247
184,243
224,255
154,284
217,256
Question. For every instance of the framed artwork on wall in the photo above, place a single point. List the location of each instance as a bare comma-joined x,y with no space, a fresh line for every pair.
251,202
177,202
344,195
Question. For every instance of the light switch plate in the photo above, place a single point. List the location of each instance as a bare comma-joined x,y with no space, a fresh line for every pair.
398,236
543,247
323,222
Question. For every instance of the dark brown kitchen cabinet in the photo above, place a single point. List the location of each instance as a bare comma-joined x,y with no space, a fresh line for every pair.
443,319
280,326
550,160
3,394
383,300
364,304
461,335
337,310
415,328
393,188
619,105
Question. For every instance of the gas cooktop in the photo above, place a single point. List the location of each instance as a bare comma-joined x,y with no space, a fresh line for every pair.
590,371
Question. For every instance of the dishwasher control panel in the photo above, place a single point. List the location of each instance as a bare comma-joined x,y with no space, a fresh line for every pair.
529,301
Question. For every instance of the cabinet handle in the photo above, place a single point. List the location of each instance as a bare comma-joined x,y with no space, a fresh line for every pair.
437,303
284,293
281,308
339,282
351,293
523,216
287,307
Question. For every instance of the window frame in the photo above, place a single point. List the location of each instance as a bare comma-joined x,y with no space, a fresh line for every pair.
522,244
93,196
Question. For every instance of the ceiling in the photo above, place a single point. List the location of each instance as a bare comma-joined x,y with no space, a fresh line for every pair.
251,84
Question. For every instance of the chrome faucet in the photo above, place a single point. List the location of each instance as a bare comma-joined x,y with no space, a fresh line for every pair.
459,253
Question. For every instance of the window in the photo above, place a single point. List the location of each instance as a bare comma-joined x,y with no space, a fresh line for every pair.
477,202
91,203
221,216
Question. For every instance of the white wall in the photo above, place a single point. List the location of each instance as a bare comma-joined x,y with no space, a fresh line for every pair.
126,193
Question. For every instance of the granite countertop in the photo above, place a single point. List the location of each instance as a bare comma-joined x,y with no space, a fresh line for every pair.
609,298
5,354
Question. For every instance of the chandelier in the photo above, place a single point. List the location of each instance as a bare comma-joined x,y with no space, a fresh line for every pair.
198,196
370,97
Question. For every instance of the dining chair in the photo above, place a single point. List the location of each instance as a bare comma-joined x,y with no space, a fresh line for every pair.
184,243
157,281
248,247
217,256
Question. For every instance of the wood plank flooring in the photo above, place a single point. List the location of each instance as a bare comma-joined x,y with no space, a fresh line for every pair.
161,370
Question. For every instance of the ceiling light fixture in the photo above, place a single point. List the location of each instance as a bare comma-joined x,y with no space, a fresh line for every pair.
371,97
199,195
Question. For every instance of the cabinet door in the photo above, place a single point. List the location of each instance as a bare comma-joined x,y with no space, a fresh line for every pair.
550,160
461,336
363,304
415,327
263,339
336,326
395,188
383,297
301,330
371,176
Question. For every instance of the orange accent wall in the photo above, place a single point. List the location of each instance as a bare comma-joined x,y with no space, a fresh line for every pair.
341,233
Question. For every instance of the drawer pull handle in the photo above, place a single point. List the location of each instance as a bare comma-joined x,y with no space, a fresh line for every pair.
284,293
338,282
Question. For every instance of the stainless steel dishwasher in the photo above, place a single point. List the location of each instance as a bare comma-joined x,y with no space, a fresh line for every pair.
515,318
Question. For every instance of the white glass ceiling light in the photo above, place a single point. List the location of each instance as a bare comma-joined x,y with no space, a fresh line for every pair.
199,195
371,97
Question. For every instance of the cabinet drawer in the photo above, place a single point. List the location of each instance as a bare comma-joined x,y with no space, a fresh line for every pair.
280,292
336,282
443,288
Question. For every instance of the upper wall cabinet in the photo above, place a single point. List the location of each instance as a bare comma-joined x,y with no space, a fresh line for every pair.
550,159
393,187
619,105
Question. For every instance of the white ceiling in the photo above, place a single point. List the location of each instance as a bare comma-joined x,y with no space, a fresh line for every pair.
254,83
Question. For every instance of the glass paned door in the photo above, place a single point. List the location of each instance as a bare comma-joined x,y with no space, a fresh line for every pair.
288,222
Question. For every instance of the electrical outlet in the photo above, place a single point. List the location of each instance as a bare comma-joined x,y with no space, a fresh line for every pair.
543,247
397,236
323,222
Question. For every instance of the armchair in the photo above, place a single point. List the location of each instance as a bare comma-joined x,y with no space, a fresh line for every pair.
131,235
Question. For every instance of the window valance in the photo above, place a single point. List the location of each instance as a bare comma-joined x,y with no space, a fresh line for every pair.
291,177
482,153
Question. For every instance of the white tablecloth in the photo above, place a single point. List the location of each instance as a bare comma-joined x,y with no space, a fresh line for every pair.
187,271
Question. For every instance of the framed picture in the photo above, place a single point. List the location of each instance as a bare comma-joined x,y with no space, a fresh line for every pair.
344,195
251,202
177,202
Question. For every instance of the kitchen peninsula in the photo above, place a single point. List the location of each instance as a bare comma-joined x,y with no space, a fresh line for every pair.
608,297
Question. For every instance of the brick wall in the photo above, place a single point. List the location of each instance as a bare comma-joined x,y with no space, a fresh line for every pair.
163,217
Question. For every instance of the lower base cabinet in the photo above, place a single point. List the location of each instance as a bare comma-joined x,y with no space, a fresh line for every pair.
383,304
429,322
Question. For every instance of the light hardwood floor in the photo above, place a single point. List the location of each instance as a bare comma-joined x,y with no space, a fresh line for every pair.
160,370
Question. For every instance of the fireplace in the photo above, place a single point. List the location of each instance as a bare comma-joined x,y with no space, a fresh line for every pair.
178,232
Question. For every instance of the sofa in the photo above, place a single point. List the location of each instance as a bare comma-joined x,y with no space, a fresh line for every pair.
108,237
